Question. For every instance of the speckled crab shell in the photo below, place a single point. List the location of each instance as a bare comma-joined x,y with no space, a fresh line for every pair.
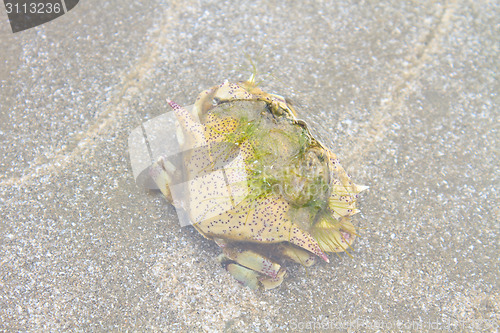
274,150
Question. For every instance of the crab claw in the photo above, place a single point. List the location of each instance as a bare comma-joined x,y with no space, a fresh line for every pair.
253,260
252,269
253,279
245,276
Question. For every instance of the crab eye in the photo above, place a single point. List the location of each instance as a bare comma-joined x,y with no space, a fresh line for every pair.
216,101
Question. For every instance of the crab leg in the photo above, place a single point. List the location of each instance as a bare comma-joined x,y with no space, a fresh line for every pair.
298,255
162,172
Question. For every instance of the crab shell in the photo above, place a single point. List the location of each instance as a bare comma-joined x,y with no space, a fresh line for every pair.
257,182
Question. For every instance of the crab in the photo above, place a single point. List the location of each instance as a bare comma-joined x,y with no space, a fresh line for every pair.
252,178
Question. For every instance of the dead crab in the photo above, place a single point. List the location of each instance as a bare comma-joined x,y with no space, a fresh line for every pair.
253,179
